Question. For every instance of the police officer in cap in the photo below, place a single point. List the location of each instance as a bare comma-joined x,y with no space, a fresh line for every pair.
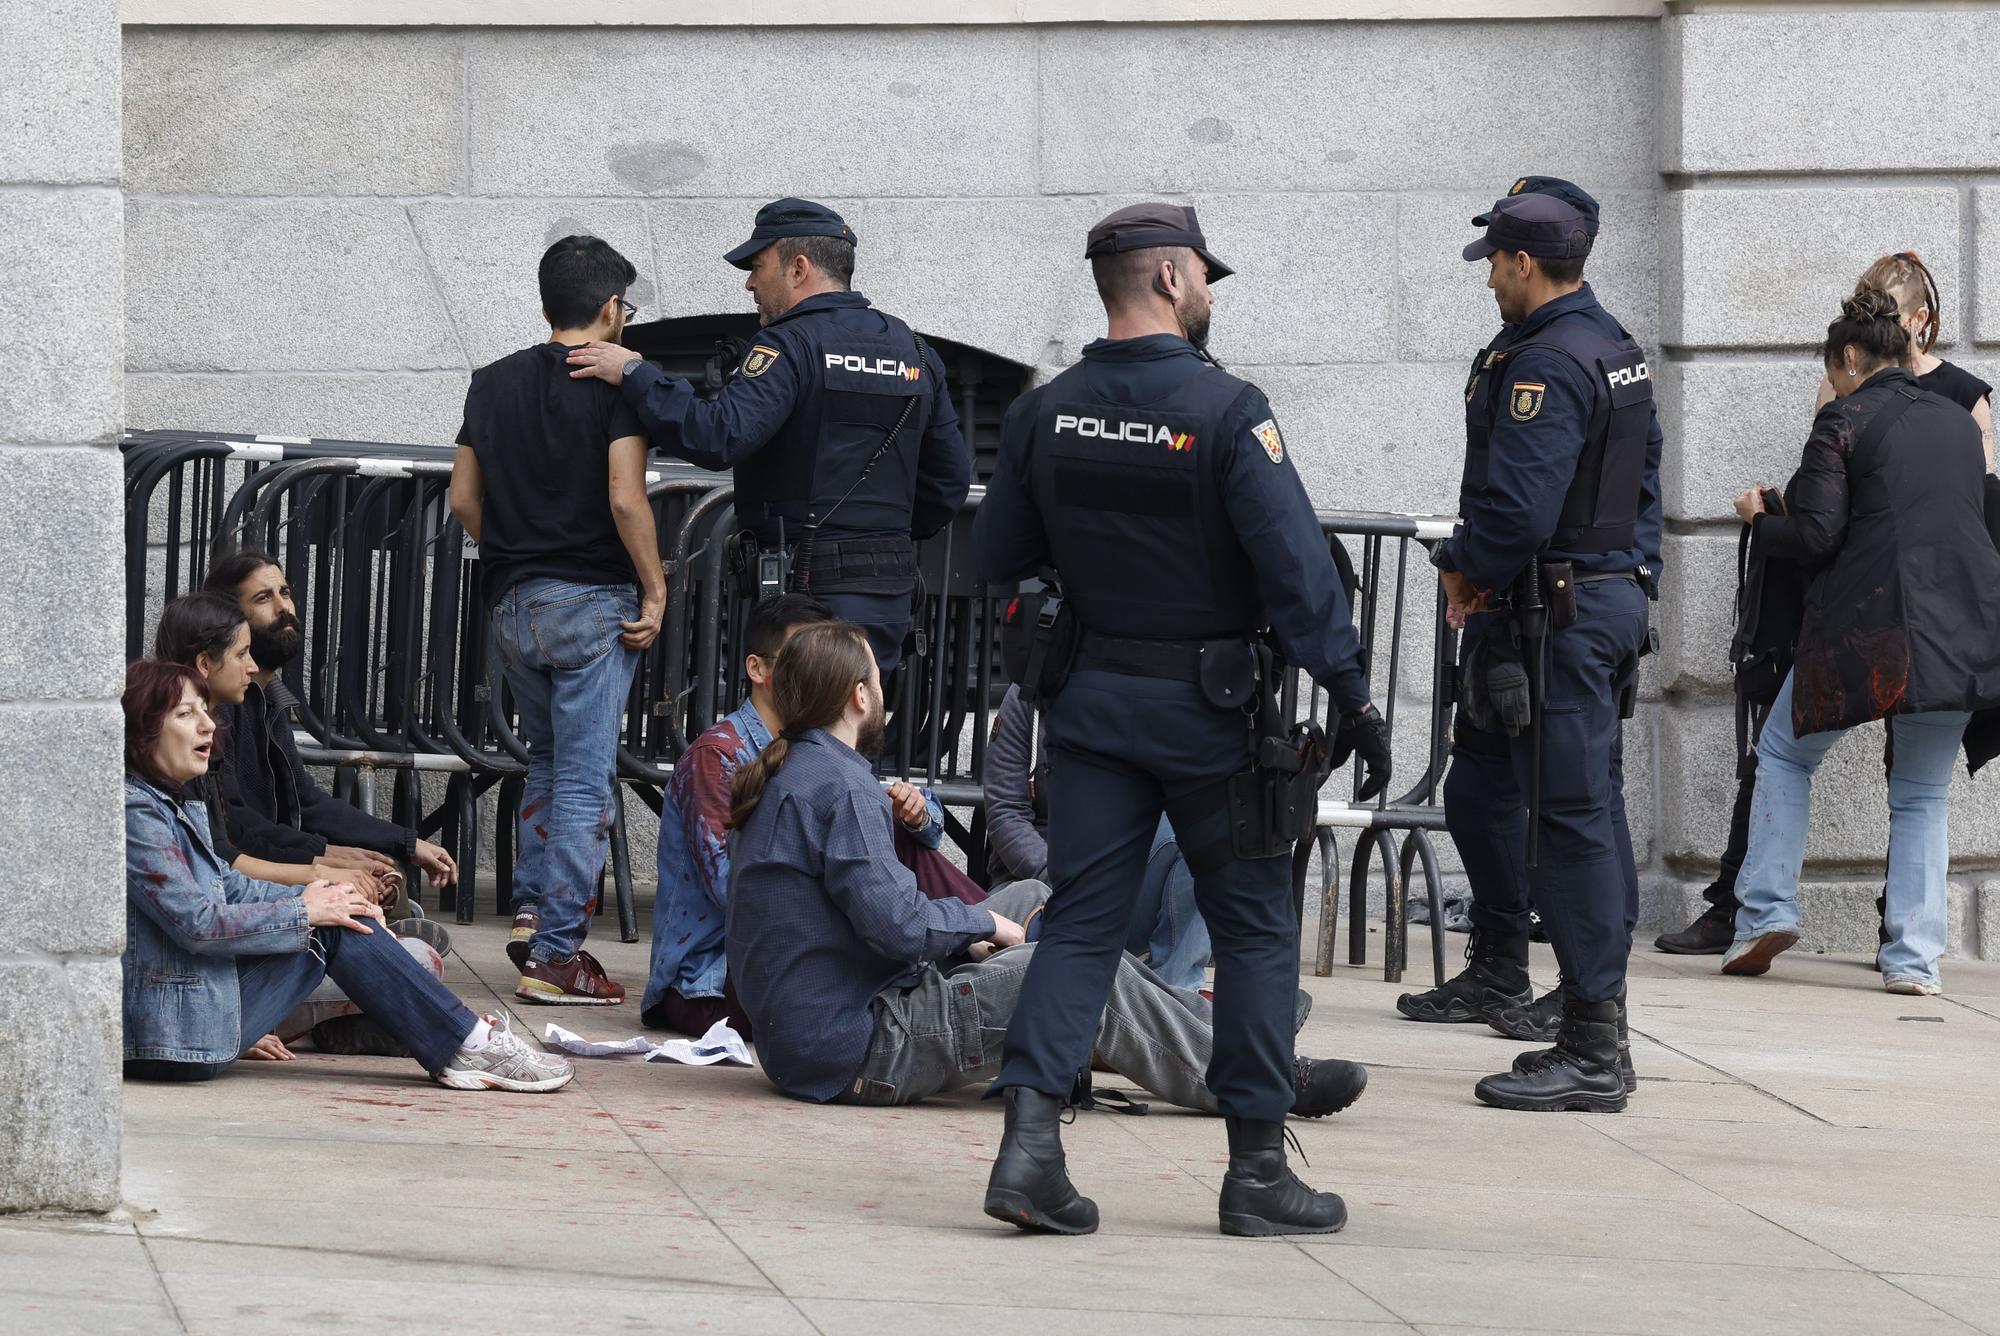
1549,575
1158,488
838,424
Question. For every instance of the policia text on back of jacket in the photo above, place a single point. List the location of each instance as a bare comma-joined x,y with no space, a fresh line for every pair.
838,426
1158,488
1549,573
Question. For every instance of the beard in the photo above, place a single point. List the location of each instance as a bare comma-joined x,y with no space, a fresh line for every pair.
278,644
874,729
1195,325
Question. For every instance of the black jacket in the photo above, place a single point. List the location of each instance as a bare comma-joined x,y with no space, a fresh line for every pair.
1900,617
276,810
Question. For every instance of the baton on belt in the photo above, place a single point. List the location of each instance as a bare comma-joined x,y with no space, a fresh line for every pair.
1531,627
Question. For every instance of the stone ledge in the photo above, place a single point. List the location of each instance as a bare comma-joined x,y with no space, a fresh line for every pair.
62,1101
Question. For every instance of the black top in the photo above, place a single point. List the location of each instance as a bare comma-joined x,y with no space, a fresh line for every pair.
1956,384
543,442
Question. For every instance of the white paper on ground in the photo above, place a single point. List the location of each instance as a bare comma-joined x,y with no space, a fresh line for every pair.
720,1044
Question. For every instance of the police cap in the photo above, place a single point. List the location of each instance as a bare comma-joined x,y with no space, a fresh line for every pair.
1143,226
1569,192
790,218
1534,224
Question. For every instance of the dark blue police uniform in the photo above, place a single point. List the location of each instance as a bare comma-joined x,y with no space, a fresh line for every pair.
819,392
1158,487
1562,461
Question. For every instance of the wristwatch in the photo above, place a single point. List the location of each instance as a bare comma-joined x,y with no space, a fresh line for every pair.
631,366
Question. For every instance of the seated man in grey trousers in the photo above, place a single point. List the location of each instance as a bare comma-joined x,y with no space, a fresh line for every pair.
861,989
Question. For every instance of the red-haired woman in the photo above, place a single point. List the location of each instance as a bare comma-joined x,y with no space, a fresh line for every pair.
214,959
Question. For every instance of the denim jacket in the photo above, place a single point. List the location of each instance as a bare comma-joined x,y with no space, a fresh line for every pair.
188,915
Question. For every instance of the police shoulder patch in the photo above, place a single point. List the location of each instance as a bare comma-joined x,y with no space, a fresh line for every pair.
1267,436
761,359
1525,400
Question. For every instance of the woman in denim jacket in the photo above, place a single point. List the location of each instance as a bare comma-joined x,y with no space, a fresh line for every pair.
213,959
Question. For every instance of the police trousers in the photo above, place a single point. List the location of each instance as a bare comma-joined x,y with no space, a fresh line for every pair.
1585,884
1122,750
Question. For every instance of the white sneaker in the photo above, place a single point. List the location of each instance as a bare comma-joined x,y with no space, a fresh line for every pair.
1906,986
506,1063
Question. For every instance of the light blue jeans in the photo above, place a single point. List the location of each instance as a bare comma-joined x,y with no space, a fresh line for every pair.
1167,928
1919,844
558,642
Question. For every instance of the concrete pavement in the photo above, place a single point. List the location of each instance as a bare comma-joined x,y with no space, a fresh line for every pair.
1805,1154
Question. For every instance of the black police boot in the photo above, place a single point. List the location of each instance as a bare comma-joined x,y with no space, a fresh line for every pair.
1325,1085
1579,1074
1625,1070
1495,975
1534,1021
1709,935
1261,1196
1030,1186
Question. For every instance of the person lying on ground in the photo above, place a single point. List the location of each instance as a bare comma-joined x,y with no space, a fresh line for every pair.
859,987
214,959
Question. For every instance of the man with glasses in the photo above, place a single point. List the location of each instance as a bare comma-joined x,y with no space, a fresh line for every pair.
550,481
838,426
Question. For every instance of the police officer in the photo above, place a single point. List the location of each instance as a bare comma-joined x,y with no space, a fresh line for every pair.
1549,574
838,425
1158,488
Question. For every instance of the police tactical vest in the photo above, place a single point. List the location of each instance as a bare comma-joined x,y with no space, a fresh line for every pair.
1601,509
1131,499
863,383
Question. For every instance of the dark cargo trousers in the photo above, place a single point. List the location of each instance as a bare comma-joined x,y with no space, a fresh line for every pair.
1122,750
1585,886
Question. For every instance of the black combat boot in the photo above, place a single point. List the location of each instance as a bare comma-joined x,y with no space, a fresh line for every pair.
1495,976
1535,1021
1261,1196
1625,1071
1580,1073
1029,1186
1325,1085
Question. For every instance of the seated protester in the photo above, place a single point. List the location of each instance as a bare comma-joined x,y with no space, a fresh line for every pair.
857,984
276,809
211,636
687,988
214,959
1167,929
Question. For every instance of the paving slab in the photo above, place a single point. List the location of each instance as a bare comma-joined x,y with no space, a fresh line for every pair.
63,1277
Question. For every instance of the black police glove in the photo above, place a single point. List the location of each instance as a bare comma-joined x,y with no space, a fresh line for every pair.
1365,734
1507,695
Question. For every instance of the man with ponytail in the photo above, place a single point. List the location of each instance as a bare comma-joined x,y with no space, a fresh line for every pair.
859,987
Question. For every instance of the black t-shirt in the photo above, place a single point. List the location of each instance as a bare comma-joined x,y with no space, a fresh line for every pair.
543,442
1956,384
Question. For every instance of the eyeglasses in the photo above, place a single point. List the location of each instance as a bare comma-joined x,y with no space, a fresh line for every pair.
629,309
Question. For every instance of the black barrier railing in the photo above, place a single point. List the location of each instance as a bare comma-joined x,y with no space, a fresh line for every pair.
400,673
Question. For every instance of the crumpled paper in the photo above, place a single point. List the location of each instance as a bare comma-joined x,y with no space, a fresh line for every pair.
720,1044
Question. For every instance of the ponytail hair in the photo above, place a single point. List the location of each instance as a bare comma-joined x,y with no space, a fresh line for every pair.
1908,279
811,680
1868,323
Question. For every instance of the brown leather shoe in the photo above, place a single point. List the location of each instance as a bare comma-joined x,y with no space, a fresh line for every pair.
526,924
577,982
1709,935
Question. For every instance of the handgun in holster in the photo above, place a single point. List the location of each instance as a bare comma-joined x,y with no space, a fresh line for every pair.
1273,804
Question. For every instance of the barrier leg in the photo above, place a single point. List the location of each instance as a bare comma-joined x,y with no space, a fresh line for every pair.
1395,913
1416,845
1357,900
1329,898
467,852
506,829
621,869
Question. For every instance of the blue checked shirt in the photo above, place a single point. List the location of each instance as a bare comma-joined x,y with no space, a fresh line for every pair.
822,917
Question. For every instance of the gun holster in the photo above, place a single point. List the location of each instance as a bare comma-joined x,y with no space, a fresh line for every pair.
1273,804
1038,638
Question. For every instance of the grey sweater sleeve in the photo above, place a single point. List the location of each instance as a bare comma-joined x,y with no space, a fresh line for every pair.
1014,841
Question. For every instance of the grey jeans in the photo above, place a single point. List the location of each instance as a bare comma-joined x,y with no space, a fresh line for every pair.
947,1030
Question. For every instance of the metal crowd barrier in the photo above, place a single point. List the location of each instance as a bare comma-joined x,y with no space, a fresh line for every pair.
400,674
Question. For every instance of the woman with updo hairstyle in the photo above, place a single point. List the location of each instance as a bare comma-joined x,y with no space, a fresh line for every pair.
1886,518
1919,311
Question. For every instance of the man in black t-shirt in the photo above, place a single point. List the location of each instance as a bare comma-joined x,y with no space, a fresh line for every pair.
550,481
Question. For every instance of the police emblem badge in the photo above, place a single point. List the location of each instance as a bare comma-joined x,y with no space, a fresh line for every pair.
1519,186
1525,401
760,360
1267,435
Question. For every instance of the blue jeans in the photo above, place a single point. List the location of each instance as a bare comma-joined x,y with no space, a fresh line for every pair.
558,642
1167,928
372,968
1919,844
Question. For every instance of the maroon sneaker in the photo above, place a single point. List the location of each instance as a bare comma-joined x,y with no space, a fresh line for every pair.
577,982
526,924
